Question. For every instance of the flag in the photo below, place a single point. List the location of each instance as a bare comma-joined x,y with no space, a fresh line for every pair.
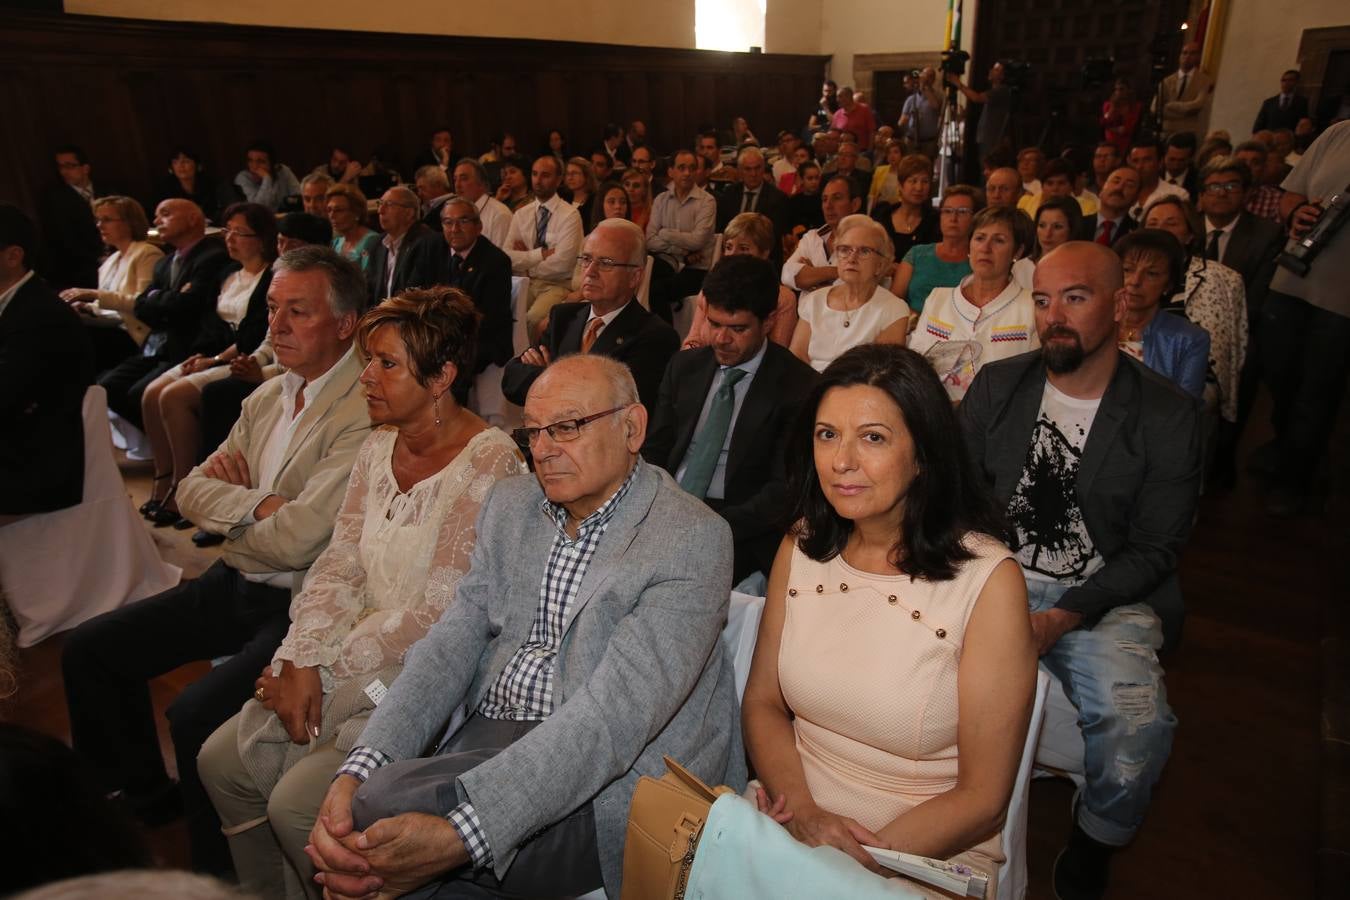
954,24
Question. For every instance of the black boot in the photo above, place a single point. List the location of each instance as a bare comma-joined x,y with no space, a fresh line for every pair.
1082,868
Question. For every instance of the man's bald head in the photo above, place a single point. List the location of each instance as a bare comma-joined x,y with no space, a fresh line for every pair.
1077,293
180,222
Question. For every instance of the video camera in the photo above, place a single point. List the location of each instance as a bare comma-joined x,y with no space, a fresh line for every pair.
1299,253
954,62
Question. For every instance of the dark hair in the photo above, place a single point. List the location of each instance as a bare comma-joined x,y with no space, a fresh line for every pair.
557,163
1156,242
182,150
305,227
437,326
1018,223
742,282
611,131
848,183
948,497
1111,144
1146,142
598,203
17,230
261,220
1183,140
262,147
546,150
1057,167
1071,211
1295,72
74,150
516,162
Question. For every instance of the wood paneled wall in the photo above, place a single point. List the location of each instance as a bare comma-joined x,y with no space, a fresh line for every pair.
129,91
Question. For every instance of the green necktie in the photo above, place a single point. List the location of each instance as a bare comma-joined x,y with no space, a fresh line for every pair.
702,462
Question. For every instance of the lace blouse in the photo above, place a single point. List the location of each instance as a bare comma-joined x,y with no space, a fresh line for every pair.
394,560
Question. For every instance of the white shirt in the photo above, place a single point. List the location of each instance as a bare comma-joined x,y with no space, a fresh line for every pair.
393,245
830,337
273,454
562,234
1175,181
1225,233
495,218
717,488
1003,327
678,227
235,291
8,295
810,252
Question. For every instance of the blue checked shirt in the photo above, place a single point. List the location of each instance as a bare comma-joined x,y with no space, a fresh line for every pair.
524,690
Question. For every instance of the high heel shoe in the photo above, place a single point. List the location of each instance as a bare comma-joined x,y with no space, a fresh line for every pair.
166,513
149,507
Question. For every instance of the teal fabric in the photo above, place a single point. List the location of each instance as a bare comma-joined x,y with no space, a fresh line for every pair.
360,254
931,272
743,853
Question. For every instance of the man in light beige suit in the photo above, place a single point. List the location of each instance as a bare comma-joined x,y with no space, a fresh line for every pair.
273,489
1186,95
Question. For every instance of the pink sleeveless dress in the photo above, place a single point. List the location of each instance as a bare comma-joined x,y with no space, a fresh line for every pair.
868,666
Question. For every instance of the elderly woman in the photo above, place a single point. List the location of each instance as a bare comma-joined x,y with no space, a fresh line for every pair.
1058,221
930,266
169,404
911,220
988,316
749,234
579,179
263,180
402,540
347,207
1213,298
893,565
885,178
637,185
857,310
127,271
1154,264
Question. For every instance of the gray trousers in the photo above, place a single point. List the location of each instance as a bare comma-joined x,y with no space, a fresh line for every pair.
560,861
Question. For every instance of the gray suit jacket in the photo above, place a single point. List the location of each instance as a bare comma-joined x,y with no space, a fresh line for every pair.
641,672
1137,482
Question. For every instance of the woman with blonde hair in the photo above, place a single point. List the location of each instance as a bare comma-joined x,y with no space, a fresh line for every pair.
750,234
347,209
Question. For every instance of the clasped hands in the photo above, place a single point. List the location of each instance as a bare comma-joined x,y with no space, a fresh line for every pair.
232,468
390,858
296,696
816,827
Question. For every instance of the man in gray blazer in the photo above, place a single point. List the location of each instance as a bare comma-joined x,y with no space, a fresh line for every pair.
1096,459
584,645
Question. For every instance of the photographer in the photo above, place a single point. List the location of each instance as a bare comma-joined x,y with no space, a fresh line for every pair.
919,119
997,102
1305,329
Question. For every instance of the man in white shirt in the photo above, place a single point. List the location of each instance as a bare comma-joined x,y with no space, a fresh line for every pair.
273,489
471,183
544,242
1146,159
680,236
812,263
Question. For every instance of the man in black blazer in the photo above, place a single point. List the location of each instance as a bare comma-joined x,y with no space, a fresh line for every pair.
179,306
71,247
467,260
1096,459
734,462
754,193
609,321
46,364
1118,195
1284,109
406,242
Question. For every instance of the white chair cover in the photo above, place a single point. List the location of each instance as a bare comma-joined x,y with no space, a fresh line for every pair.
60,568
1060,751
1012,875
486,399
520,299
645,289
740,633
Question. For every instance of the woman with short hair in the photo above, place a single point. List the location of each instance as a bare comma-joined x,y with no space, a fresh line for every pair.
1154,266
749,234
347,209
911,219
927,267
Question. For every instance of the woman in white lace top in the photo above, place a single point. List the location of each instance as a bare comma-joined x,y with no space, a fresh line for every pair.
402,540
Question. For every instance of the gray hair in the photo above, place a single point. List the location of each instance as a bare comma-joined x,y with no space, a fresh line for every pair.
149,884
479,172
433,176
618,377
749,153
872,227
468,204
638,255
407,195
346,283
322,178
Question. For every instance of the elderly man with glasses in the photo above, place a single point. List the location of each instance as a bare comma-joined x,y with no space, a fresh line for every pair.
406,242
609,320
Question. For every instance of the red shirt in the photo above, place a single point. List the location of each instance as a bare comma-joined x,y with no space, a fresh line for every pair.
860,121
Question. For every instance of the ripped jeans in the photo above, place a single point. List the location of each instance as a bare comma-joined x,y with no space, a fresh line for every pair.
1112,676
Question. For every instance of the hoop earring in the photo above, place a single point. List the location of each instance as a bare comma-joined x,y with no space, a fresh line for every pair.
436,406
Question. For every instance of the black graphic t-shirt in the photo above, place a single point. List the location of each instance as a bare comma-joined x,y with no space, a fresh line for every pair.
1048,534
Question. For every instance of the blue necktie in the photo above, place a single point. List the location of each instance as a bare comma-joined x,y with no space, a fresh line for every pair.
541,228
702,462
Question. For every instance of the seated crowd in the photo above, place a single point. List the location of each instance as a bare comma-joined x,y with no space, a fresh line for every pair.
947,438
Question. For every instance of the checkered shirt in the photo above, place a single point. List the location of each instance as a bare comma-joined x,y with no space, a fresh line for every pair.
1264,203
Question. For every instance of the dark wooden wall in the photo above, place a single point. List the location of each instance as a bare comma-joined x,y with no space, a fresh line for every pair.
128,91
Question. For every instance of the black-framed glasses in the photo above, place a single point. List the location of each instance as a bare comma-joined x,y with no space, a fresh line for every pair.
604,262
566,430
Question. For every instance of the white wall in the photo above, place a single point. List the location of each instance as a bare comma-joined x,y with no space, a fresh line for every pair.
669,23
849,27
1260,40
792,26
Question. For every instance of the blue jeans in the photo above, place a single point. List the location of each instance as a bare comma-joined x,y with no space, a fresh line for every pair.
1112,677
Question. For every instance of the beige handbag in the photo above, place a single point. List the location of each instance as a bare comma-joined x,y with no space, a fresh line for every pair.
664,824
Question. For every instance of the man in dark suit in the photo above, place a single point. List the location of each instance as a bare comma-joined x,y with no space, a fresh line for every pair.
1118,195
1096,459
754,193
1176,163
71,246
1284,109
406,243
610,321
472,263
437,152
724,411
46,363
179,306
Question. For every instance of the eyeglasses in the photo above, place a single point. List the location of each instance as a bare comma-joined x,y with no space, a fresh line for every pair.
236,233
566,430
1228,187
847,251
604,262
956,210
463,222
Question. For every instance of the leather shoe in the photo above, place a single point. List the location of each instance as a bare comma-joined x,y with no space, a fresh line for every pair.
207,539
163,516
155,808
1082,868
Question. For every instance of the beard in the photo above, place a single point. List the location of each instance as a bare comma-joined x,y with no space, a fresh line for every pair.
1062,357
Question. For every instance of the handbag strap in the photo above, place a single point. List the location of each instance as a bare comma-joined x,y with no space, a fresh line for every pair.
694,783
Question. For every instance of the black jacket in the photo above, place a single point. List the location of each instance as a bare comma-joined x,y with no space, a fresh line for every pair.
418,243
485,276
771,202
71,247
1123,227
181,312
1272,117
1251,251
253,328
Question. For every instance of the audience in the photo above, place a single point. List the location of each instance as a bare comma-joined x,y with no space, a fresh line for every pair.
748,234
927,267
1286,109
756,194
467,260
1120,118
1177,163
812,263
432,185
855,310
885,187
346,207
1106,158
126,272
1153,264
170,402
471,183
1003,187
1112,220
1146,160
890,516
911,220
265,181
438,151
544,241
1058,220
637,189
46,365
580,184
680,236
1185,95
988,316
530,796
402,250
1030,165
186,180
514,190
722,419
314,194
1099,553
1057,178
70,241
804,209
273,488
341,167
401,543
1264,200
